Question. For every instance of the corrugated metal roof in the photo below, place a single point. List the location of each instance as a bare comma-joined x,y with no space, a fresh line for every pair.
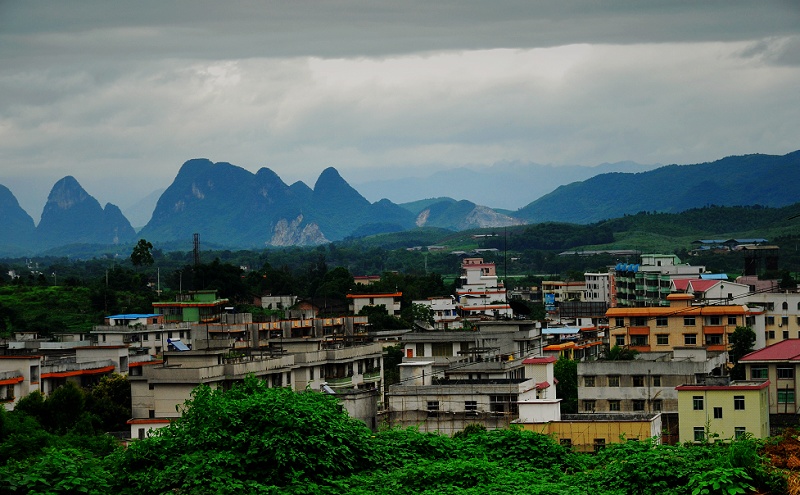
785,350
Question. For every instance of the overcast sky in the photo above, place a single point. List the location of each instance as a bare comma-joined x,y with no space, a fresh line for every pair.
120,94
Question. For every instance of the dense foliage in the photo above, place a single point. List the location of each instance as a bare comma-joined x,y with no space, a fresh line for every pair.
256,439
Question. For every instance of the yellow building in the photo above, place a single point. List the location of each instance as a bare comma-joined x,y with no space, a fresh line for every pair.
682,324
723,412
592,432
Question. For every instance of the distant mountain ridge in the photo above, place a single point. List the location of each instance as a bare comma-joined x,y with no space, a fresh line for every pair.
768,180
234,208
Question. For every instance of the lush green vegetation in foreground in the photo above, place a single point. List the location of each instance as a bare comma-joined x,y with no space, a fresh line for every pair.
254,439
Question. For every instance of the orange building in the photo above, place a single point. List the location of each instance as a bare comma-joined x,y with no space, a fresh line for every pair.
681,324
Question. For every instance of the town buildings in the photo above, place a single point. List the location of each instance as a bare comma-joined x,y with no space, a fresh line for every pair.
480,292
648,283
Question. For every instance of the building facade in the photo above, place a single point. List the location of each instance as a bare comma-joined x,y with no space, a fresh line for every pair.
719,412
682,324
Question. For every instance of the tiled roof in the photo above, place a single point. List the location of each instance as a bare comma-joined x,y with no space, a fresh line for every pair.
702,285
540,360
681,284
785,350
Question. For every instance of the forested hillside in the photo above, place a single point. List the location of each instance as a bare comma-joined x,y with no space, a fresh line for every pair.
732,181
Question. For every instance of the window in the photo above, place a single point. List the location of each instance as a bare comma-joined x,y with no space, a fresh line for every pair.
717,413
785,373
662,339
697,402
638,321
638,405
638,380
613,405
420,350
588,381
699,433
731,320
785,396
657,405
688,321
785,306
785,321
690,339
34,374
620,322
656,380
785,334
661,321
739,431
433,407
715,320
442,349
738,402
713,339
613,381
503,403
771,334
588,406
620,340
638,339
471,407
770,320
311,373
566,443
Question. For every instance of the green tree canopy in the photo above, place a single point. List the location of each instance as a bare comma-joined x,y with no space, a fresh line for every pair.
566,372
141,255
741,341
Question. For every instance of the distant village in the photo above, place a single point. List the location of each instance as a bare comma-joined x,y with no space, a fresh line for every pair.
651,338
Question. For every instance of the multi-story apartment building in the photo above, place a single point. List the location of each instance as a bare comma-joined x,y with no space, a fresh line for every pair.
390,301
648,283
598,287
645,384
492,350
142,333
444,310
779,365
723,411
22,374
556,292
682,324
192,306
447,401
479,290
781,314
333,354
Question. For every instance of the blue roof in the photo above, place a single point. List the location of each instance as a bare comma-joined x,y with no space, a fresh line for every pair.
133,316
713,276
560,330
178,345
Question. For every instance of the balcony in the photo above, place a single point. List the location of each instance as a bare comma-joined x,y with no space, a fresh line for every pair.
345,382
372,376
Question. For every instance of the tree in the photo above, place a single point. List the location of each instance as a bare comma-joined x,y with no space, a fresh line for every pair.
741,342
618,353
566,372
246,439
141,254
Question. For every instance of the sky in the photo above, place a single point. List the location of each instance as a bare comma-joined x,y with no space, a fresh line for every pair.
120,94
